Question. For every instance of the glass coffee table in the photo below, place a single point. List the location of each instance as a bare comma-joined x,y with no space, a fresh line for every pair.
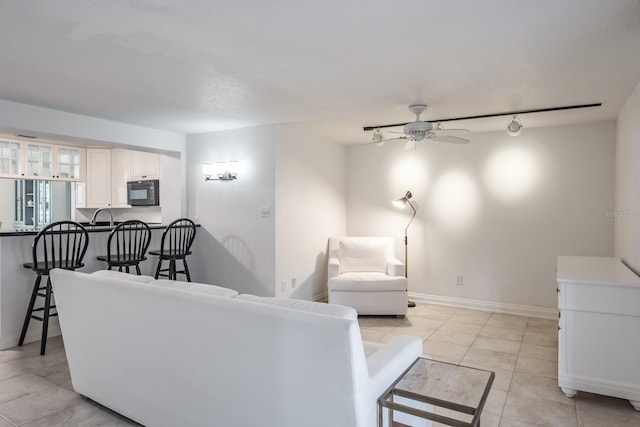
460,390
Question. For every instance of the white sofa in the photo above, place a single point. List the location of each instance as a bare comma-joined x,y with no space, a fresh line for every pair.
181,354
364,273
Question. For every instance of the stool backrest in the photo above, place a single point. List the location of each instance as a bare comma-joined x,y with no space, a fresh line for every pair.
60,244
178,237
129,241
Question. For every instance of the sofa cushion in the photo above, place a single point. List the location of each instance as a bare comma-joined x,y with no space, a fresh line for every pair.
123,276
196,287
296,304
367,282
362,255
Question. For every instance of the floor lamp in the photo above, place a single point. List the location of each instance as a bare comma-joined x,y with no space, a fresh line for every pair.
401,203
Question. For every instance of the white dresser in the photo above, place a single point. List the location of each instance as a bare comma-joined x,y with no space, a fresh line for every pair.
599,331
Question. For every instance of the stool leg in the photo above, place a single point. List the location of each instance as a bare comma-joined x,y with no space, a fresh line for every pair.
45,317
158,268
32,301
186,269
172,269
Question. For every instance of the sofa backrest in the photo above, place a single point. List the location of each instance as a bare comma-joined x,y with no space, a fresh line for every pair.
362,253
167,357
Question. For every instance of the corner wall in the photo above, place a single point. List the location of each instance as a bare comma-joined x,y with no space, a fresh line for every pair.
498,210
627,209
311,206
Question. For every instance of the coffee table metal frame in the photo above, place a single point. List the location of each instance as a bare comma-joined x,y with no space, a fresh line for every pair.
387,400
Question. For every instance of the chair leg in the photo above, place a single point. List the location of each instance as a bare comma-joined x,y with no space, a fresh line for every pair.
45,317
158,268
32,301
137,270
186,269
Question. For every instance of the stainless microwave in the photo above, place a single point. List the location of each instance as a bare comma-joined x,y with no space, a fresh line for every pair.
143,193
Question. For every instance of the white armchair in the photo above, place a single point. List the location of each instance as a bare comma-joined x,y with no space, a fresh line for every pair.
364,273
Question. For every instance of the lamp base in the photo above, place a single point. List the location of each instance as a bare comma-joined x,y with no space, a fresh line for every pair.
410,303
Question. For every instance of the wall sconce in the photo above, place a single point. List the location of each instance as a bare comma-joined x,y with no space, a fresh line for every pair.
220,171
515,127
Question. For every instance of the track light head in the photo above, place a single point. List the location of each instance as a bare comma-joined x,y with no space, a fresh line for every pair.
514,128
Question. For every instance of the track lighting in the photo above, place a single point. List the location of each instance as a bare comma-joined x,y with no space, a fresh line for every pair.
515,127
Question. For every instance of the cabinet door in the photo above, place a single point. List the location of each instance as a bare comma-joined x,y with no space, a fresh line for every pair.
98,191
120,162
69,163
10,159
39,158
144,165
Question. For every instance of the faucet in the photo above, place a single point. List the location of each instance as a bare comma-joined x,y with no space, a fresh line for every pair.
95,214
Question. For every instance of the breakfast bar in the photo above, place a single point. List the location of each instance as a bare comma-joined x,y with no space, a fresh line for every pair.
16,281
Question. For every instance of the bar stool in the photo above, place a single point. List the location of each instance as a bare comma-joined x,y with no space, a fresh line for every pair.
127,245
175,245
60,244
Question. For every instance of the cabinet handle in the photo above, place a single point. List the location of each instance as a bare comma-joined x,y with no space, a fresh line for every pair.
559,327
558,290
559,314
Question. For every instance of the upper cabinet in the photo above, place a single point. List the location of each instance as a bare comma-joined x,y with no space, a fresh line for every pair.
21,159
144,165
10,159
98,190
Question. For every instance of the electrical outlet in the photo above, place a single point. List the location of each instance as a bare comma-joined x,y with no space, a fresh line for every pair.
459,279
293,283
284,286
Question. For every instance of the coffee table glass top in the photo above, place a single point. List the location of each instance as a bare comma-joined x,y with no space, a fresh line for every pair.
453,386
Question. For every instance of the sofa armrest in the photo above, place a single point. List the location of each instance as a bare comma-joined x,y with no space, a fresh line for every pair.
333,269
395,267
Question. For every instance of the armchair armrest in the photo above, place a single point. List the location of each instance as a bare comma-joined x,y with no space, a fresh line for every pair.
333,268
395,267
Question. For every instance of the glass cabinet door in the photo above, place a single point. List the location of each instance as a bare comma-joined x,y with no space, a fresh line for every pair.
39,161
68,163
9,158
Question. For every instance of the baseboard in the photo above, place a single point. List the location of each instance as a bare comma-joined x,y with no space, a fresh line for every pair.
33,335
323,297
494,307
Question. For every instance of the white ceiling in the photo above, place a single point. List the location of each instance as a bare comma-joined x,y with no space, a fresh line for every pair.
200,65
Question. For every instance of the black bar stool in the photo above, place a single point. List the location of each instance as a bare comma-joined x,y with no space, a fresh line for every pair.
127,245
61,244
175,245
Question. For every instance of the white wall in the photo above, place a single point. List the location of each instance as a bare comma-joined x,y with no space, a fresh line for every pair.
498,210
311,206
627,211
235,246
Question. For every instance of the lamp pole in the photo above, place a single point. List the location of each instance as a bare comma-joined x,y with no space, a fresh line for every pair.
406,240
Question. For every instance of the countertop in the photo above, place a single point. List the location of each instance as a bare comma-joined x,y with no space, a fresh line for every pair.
100,227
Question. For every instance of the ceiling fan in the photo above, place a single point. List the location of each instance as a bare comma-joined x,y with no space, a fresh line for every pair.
419,130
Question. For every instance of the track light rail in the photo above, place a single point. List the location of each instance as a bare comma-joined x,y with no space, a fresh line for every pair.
484,116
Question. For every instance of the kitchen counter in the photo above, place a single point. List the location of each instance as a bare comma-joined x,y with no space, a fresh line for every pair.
101,226
16,281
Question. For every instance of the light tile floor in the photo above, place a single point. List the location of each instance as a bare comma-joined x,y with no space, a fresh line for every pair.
523,352
35,391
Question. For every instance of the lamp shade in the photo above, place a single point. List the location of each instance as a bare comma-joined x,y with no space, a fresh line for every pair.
402,201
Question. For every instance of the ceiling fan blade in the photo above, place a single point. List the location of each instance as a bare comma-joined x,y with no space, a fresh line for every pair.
458,131
449,138
410,145
381,143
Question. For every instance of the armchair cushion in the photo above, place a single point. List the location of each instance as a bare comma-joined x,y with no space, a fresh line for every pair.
362,255
367,282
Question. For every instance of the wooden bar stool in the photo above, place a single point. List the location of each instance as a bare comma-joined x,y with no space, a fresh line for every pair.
61,244
175,245
127,246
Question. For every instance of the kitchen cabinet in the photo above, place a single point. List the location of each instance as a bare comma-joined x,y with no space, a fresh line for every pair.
10,159
599,328
107,176
34,160
144,166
